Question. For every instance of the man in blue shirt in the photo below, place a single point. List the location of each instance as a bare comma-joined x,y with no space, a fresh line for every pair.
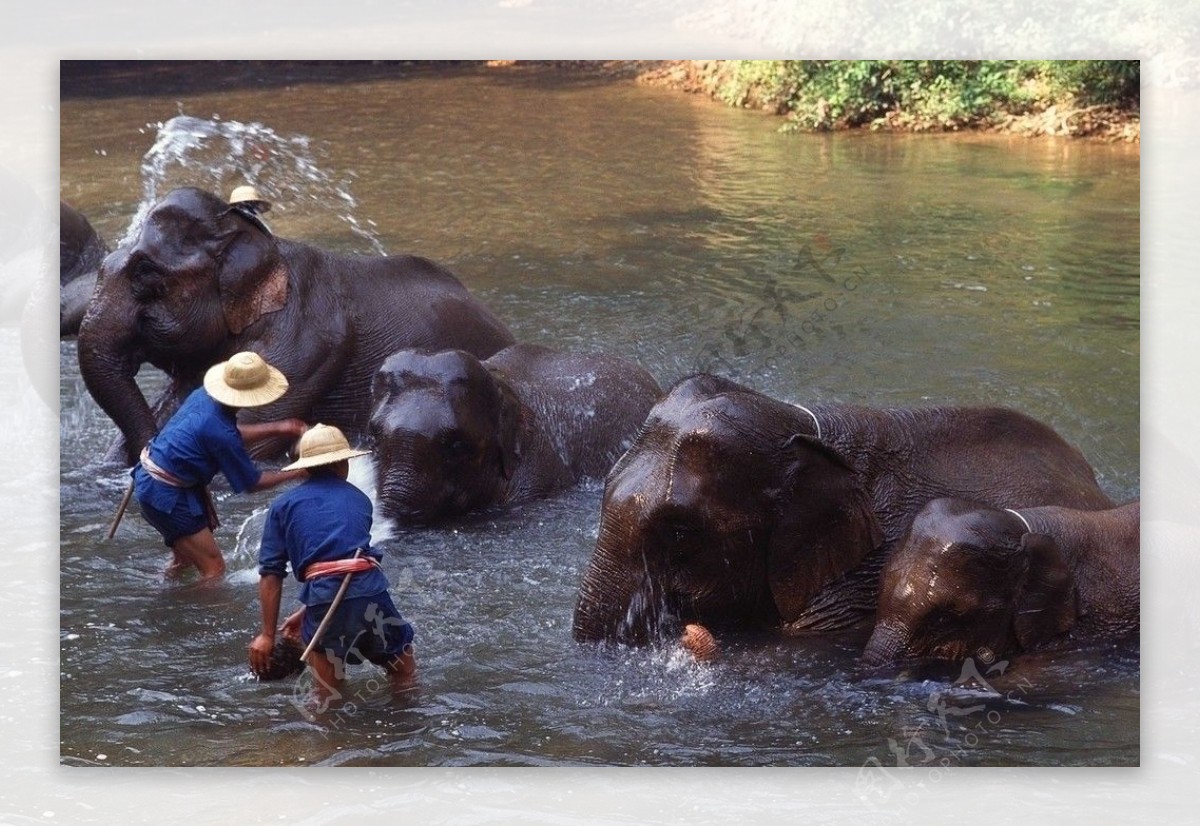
201,439
322,530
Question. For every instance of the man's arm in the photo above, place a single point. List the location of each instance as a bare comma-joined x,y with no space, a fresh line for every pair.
258,431
270,589
270,479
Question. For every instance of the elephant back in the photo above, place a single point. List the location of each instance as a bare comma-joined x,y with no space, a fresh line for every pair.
589,406
80,248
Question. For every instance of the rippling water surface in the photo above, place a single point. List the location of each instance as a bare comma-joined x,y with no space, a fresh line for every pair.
875,269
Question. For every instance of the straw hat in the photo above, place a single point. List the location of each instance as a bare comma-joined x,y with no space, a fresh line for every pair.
245,381
248,196
323,445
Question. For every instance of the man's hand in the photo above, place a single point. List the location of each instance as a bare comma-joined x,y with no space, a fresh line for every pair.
290,629
260,652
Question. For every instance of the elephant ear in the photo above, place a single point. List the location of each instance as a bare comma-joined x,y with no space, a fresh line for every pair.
253,278
509,429
826,525
1046,603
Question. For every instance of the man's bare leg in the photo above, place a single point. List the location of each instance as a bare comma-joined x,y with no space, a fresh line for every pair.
199,550
177,567
402,670
328,681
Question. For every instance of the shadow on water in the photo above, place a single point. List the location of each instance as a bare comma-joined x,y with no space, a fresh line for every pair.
880,270
98,79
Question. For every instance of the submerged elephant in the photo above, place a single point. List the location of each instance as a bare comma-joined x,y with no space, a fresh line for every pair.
970,580
454,434
734,509
80,253
201,281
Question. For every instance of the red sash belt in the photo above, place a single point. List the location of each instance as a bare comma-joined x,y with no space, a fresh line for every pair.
162,474
327,568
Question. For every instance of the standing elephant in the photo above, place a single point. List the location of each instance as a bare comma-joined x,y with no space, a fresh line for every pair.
735,509
970,580
80,253
453,433
201,281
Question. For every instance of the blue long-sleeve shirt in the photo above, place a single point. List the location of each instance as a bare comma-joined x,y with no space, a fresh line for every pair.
324,518
200,440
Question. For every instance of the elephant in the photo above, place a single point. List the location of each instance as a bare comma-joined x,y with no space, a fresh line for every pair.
736,510
454,434
970,580
80,253
199,281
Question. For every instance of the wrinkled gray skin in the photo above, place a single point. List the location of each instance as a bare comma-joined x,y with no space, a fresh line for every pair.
80,253
454,434
972,581
728,510
201,281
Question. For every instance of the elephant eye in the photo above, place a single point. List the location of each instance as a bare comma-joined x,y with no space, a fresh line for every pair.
144,270
455,444
945,615
146,280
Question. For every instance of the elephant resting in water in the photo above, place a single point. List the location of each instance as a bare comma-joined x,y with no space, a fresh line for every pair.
734,509
453,434
80,253
202,281
972,580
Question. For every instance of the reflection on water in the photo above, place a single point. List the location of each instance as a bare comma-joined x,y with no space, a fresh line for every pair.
886,270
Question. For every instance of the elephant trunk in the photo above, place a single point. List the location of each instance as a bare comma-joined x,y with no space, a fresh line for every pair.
887,642
617,601
109,358
599,609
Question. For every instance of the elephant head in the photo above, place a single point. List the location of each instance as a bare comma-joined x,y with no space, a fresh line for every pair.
723,511
194,278
970,581
446,432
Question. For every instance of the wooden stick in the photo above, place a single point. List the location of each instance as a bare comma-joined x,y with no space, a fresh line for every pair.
333,607
112,529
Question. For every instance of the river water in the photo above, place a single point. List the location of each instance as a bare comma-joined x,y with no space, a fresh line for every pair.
597,215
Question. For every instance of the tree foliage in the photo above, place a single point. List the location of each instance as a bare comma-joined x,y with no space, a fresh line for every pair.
926,94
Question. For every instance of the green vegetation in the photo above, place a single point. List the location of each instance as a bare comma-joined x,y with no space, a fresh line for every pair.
927,94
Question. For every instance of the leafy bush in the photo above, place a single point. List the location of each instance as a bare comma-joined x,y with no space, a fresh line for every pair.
923,94
1116,82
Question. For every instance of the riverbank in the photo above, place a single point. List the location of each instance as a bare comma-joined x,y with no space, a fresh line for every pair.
1036,116
1031,98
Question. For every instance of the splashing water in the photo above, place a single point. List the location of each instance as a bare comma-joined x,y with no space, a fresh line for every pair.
362,475
220,155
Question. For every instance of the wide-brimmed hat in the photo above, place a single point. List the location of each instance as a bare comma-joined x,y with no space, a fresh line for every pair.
323,445
248,196
245,381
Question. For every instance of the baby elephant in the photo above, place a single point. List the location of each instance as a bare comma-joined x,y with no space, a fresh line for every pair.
454,434
975,581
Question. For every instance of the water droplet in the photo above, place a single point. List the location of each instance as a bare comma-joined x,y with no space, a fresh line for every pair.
286,169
